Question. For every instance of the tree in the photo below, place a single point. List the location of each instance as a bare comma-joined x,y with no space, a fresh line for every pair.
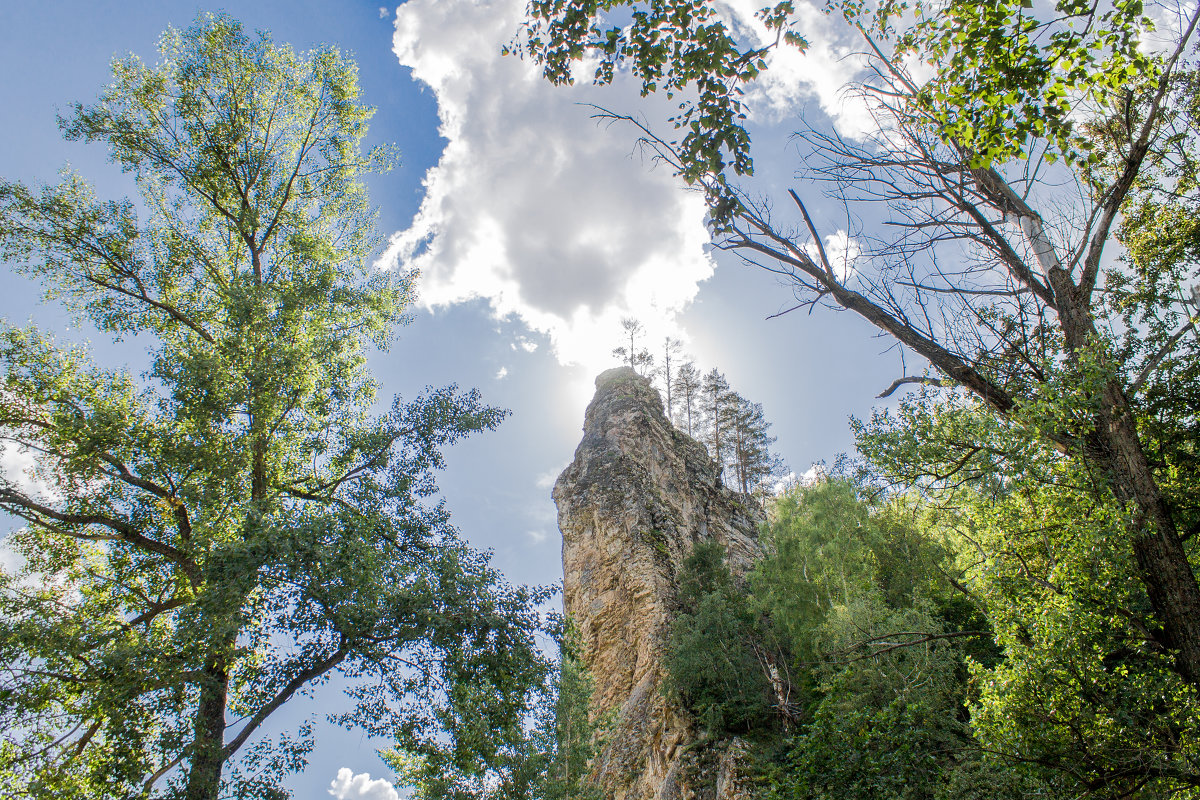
751,456
671,348
844,664
687,383
717,409
1000,185
636,358
714,658
820,543
548,760
1081,693
238,525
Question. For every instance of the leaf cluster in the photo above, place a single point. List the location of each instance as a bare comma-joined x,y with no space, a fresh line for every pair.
843,655
683,48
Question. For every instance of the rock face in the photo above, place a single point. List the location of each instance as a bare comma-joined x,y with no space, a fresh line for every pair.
636,498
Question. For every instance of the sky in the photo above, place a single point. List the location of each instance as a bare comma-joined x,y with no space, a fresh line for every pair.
536,229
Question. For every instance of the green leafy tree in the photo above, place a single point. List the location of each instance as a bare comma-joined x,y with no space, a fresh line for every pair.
672,46
820,542
1080,691
846,664
715,659
1047,136
1003,80
547,759
888,721
239,525
570,737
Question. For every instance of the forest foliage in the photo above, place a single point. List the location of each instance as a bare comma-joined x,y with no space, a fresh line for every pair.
548,757
870,653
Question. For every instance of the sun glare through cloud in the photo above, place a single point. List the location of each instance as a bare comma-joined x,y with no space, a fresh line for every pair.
533,206
550,217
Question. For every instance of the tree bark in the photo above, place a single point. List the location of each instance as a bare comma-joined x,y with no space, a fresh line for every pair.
208,759
1162,561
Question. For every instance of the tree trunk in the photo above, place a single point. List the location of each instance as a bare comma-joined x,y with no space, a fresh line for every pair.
1162,561
1161,558
204,778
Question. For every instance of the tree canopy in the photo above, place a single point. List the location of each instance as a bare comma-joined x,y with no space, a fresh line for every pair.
843,659
1024,203
240,523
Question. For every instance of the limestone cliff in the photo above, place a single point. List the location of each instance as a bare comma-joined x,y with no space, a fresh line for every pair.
636,498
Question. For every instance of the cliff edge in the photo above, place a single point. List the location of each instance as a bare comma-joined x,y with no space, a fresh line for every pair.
637,496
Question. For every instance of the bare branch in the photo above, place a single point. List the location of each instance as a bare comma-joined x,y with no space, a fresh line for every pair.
926,380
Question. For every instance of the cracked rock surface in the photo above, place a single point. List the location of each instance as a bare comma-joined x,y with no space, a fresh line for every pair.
637,496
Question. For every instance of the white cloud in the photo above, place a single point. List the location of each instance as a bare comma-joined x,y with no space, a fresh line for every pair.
501,373
348,786
813,474
554,219
823,71
19,468
786,482
533,206
842,252
537,537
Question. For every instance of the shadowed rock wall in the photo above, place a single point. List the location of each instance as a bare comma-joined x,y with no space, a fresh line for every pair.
636,498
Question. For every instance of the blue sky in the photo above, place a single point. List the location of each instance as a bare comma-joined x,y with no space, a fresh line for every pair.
535,228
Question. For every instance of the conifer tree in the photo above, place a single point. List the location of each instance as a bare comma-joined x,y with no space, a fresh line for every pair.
687,387
750,446
637,358
671,349
717,404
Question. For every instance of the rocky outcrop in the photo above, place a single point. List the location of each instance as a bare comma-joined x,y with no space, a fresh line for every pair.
636,498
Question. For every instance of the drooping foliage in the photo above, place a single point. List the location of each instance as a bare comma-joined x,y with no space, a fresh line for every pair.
673,46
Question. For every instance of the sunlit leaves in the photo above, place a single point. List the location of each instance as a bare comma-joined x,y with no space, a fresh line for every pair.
679,47
1083,690
1008,74
219,536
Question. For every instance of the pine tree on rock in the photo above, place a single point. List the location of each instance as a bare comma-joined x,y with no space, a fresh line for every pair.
638,358
750,444
687,388
718,404
670,351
